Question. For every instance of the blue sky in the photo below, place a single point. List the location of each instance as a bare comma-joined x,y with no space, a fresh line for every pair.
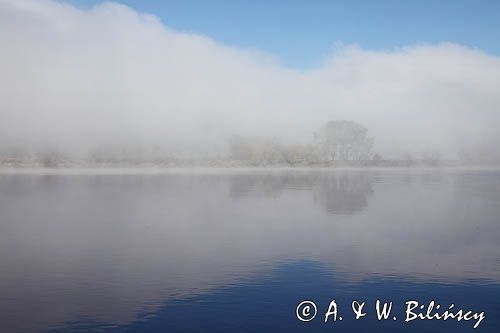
302,33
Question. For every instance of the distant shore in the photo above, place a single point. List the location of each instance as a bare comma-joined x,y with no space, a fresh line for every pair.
10,163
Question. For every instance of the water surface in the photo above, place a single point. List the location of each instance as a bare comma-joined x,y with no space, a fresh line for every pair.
237,250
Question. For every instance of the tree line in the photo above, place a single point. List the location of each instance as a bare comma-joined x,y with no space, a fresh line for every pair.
335,142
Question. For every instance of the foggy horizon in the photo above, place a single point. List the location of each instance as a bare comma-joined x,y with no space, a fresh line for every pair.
249,166
80,80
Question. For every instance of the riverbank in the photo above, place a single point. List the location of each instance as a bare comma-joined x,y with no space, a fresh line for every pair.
15,163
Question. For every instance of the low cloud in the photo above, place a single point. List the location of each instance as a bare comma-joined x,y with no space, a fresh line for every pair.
78,80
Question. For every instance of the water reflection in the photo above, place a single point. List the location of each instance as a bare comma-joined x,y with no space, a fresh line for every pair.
337,193
110,249
265,305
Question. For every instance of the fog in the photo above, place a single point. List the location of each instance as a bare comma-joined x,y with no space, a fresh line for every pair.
79,80
148,239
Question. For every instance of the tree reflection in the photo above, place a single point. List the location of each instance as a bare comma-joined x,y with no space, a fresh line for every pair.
336,192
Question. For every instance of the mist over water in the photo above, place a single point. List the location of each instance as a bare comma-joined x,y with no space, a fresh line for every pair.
153,252
153,180
111,79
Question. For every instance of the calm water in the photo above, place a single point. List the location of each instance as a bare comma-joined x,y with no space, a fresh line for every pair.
237,251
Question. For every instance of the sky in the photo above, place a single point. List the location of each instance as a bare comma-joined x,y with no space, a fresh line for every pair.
303,33
177,78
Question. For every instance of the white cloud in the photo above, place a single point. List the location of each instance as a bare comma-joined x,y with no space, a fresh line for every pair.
78,79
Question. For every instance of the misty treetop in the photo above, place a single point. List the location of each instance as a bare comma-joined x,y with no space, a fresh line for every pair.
343,141
336,141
